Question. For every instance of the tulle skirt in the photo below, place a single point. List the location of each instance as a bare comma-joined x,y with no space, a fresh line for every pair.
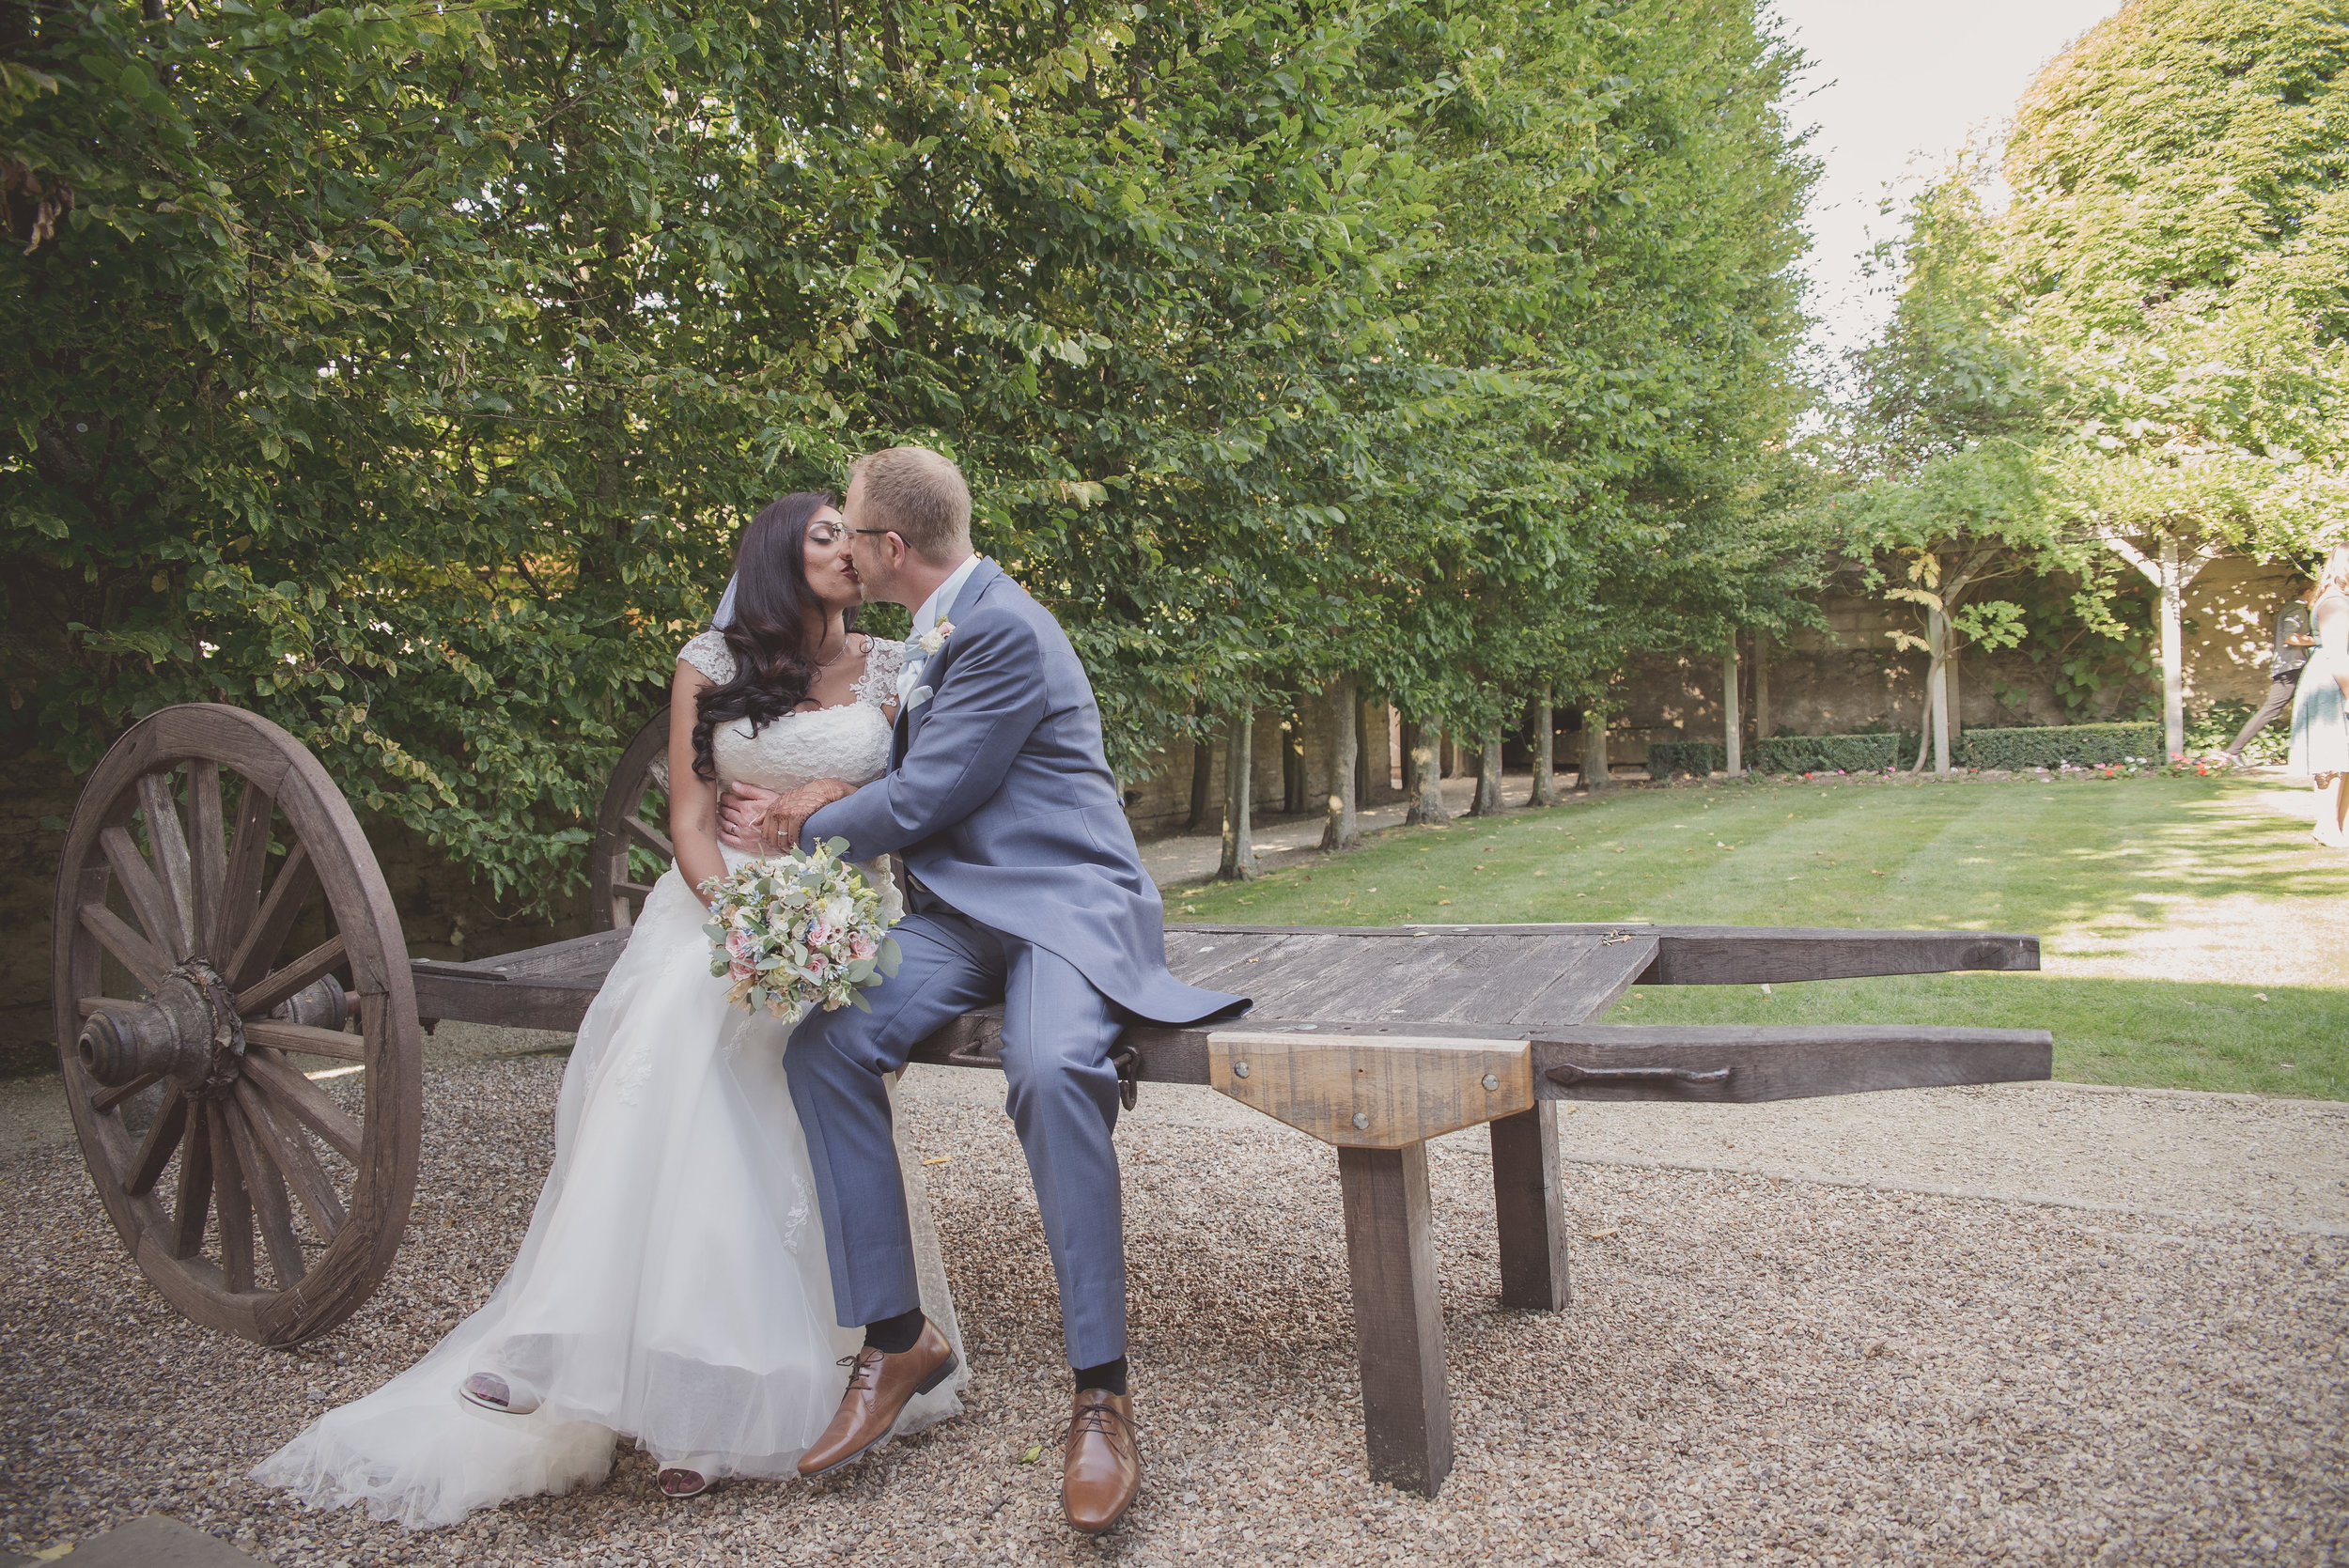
2320,725
672,1287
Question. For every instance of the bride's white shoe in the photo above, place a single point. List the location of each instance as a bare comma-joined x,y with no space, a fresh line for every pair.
677,1482
493,1393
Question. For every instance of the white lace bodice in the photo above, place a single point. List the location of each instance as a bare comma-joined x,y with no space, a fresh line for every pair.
848,742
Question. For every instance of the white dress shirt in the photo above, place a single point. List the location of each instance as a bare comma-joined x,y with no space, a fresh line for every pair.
924,620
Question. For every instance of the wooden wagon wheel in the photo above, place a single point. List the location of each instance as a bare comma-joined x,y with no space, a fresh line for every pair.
632,846
214,897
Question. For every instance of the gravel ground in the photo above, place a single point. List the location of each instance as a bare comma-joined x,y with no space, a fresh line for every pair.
1754,1368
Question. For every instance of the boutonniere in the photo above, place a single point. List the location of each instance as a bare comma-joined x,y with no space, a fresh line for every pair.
934,638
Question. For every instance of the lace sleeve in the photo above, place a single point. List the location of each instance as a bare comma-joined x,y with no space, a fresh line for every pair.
709,653
877,685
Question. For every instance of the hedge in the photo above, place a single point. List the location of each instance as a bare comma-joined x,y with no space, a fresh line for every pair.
2046,745
1701,757
2054,745
1831,754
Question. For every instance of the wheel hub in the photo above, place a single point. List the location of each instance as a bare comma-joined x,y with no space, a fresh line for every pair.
189,1029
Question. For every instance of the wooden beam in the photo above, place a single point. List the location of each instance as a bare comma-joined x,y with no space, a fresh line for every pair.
1749,956
1742,1063
1367,1091
1529,1210
1398,1316
1741,954
484,996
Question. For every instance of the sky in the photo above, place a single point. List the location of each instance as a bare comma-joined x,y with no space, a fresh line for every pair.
1894,89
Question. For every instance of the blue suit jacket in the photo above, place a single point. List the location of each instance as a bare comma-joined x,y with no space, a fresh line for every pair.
1000,798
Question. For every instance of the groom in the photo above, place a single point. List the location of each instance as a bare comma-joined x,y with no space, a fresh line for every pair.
1024,888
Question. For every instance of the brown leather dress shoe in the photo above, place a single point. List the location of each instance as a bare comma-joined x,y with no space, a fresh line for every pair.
1101,1470
878,1386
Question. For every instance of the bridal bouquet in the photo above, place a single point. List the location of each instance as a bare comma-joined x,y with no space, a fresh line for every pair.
798,932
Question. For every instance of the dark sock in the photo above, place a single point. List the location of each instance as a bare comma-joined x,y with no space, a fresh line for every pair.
894,1336
1109,1374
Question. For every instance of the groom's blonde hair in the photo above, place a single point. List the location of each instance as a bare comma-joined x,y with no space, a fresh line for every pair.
920,496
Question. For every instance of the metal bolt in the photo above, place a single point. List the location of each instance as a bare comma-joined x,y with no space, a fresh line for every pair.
1239,1070
1361,1118
1492,1081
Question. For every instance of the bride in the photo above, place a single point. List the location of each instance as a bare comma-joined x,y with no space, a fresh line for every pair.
672,1286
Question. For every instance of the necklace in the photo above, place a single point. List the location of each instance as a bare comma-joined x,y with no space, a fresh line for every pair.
836,653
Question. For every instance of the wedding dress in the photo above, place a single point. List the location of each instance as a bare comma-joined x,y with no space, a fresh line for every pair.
673,1286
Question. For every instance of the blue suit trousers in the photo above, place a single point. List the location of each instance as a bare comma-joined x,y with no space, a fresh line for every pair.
1061,1093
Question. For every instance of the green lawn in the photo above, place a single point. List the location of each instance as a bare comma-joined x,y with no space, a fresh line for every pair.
2193,936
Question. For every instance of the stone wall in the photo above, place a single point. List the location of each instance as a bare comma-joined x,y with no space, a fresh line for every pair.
1851,677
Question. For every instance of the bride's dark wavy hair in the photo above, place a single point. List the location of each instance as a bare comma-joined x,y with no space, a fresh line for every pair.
773,667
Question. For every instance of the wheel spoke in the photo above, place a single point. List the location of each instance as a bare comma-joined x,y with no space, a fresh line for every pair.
137,954
106,1099
158,916
305,1039
172,861
208,845
311,1104
196,1187
278,912
147,1166
240,895
231,1202
651,837
270,1207
289,1149
271,989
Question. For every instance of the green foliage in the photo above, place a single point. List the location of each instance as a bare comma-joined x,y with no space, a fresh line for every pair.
2147,349
2212,728
405,373
2179,235
2059,746
1702,759
1829,754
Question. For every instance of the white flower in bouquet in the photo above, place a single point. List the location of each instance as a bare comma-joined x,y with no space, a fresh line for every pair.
798,932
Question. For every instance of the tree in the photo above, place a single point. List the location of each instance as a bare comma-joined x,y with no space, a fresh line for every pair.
2144,353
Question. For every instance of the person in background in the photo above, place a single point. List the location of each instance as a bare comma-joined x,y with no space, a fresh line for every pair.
2320,711
2293,638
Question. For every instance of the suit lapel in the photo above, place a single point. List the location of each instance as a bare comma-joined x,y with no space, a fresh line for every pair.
934,668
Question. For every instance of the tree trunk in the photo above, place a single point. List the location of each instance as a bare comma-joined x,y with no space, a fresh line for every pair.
1203,790
1488,801
1422,774
1296,792
2172,650
1341,830
1732,731
1952,706
1761,730
1240,850
1595,773
2170,569
1937,634
1545,759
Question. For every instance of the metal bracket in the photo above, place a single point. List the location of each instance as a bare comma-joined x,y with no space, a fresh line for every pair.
1567,1073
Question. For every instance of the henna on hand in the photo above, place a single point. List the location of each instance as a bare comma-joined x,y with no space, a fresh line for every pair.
779,826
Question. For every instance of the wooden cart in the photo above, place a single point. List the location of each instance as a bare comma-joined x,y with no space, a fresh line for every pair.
242,1030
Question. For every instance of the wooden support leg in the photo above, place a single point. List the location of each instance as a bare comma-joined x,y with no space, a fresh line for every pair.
1531,1215
1398,1316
